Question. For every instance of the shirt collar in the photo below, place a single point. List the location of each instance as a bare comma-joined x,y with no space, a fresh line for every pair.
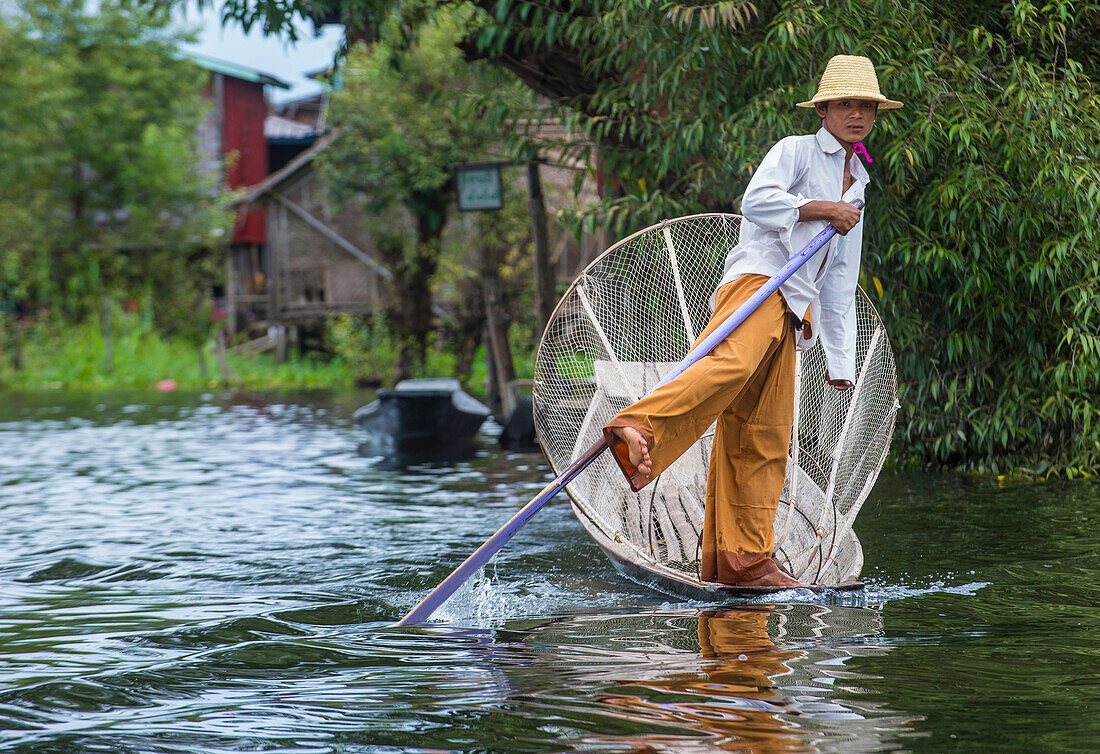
827,141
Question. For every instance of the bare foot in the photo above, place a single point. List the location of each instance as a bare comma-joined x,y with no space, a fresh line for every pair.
636,444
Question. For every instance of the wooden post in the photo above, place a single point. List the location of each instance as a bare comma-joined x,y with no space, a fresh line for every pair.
498,352
108,337
544,277
222,356
280,344
232,290
276,270
293,340
493,389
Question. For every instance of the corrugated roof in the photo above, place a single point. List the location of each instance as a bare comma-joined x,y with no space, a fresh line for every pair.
277,127
235,70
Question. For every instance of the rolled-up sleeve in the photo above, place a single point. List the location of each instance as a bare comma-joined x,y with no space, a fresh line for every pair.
767,202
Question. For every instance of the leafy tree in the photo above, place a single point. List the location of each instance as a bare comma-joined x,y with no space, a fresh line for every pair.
363,17
101,190
400,132
982,221
982,225
486,275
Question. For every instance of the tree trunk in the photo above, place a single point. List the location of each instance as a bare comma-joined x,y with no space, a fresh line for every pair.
411,320
544,276
412,285
468,329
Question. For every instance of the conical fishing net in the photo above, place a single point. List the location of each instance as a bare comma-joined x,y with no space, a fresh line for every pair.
625,322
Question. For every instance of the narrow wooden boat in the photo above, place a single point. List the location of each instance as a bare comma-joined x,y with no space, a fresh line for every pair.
677,583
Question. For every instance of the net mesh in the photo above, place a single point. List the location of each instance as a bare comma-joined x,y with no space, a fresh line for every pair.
625,322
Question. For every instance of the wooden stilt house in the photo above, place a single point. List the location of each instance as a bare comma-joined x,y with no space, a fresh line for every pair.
316,261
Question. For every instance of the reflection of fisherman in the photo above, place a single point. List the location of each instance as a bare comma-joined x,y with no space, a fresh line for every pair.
765,684
746,657
736,700
745,386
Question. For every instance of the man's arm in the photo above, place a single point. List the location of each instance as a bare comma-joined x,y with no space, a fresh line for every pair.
842,215
768,202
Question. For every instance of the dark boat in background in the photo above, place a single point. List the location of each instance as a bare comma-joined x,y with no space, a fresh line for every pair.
430,416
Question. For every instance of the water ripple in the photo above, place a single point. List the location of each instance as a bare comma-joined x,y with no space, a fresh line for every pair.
215,573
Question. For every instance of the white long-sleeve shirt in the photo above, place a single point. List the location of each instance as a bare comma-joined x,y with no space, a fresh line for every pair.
798,170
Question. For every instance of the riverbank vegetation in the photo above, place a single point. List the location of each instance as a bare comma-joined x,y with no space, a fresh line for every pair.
130,352
136,354
105,196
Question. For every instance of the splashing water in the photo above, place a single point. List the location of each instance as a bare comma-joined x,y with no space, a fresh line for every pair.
484,599
880,594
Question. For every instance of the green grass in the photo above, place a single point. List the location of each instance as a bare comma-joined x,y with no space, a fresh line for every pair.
59,356
74,357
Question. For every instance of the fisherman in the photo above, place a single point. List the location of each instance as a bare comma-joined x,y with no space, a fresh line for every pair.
745,386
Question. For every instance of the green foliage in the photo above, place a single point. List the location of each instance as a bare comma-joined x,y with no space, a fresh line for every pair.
276,16
504,246
981,224
102,193
489,250
364,345
366,348
72,356
398,137
576,367
524,345
399,133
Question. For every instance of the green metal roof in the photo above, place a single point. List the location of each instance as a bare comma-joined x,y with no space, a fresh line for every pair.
233,69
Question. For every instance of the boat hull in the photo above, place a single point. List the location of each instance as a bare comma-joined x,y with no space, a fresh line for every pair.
422,416
668,581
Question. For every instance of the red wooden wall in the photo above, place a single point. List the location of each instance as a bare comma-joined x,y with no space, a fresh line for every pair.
243,137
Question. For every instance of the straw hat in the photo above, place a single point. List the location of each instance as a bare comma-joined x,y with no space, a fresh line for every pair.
850,77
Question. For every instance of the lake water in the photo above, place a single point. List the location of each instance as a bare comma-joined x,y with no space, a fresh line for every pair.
207,573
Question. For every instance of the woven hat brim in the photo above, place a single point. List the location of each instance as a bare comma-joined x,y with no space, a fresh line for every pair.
883,103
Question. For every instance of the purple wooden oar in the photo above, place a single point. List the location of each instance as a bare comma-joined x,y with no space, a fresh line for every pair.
492,546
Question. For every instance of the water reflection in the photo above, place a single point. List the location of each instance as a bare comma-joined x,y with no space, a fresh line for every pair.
388,458
761,678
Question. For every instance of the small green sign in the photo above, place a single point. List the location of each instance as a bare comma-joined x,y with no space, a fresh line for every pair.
479,188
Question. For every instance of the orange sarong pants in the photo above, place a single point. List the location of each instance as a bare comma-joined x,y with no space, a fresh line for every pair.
745,386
